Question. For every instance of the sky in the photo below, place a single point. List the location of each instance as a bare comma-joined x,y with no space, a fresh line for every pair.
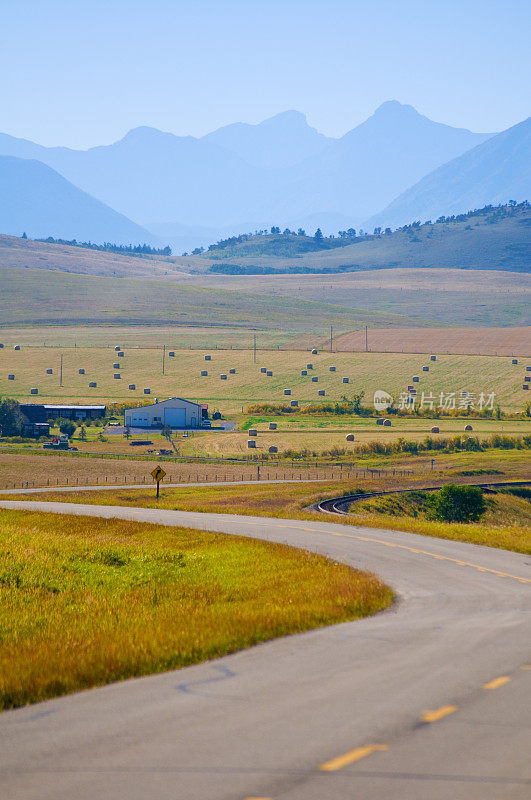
80,73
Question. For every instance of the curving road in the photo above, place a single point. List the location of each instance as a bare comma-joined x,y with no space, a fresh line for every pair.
430,699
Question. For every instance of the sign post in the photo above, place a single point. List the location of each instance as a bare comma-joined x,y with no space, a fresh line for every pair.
158,474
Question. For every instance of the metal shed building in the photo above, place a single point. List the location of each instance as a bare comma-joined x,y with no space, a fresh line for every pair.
176,412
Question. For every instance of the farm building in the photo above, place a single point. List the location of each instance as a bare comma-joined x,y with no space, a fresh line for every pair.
34,420
176,412
63,411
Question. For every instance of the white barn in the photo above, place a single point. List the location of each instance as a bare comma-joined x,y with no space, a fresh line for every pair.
176,412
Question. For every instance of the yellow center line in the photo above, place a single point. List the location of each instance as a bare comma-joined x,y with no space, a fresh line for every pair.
497,682
351,757
438,713
410,549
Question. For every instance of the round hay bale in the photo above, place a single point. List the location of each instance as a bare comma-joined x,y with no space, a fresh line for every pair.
34,391
272,426
468,427
416,379
345,380
321,392
132,386
1,346
515,360
287,392
525,387
528,369
380,421
208,358
82,371
332,369
216,415
251,443
121,354
314,352
49,371
263,370
294,403
16,347
172,354
223,377
232,372
425,369
147,391
11,377
273,449
117,376
387,423
435,429
309,366
410,387
304,372
252,432
349,437
204,373
116,365
92,384
433,358
315,379
269,373
527,378
117,347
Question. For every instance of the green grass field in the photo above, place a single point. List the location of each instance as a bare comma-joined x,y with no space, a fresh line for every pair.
367,372
89,601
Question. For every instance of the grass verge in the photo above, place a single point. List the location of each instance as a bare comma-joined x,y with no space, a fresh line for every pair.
506,525
88,601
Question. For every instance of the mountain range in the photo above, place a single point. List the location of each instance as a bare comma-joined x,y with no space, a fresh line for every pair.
396,166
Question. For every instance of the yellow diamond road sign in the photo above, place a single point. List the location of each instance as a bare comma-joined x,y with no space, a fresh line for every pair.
158,474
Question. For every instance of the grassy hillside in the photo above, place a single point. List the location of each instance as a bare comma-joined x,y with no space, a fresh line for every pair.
30,297
493,238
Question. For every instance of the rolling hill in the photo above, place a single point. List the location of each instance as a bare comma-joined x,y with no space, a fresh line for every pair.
494,172
492,238
36,199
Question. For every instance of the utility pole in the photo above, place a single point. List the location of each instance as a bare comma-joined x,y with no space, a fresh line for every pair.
254,348
366,340
61,378
331,337
163,359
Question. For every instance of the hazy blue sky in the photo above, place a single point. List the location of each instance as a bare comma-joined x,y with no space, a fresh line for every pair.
83,73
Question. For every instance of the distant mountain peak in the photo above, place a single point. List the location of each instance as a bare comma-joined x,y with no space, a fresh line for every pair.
395,107
291,116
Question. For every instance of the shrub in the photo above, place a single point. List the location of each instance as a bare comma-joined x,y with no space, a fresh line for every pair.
67,426
458,504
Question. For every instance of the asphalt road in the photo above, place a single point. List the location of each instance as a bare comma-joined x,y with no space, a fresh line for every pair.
430,699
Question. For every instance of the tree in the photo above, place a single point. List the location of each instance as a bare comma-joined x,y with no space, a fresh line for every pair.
318,236
198,251
127,432
24,235
377,231
11,419
351,233
67,427
301,232
83,434
458,504
166,431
